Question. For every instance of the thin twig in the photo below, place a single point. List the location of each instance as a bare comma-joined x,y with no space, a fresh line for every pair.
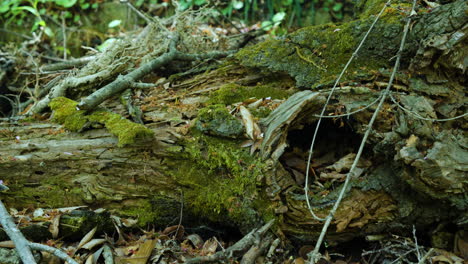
423,259
140,14
56,252
402,256
306,185
354,112
64,33
181,213
416,243
22,245
315,254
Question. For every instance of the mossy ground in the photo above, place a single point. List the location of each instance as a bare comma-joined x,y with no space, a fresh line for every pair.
66,113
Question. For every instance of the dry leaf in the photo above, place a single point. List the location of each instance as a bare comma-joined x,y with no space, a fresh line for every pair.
176,228
54,226
143,254
93,243
196,240
86,238
251,128
461,244
210,246
7,244
97,254
299,261
90,259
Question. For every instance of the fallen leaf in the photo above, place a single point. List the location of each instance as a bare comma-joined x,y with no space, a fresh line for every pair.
86,238
210,246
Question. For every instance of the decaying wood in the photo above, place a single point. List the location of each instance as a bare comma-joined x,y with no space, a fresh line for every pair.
413,171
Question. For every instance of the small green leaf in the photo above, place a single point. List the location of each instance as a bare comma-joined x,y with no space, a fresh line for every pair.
61,49
42,11
114,23
184,5
67,14
95,6
278,17
227,11
4,8
35,26
266,25
237,4
27,8
139,3
76,18
48,31
66,3
337,7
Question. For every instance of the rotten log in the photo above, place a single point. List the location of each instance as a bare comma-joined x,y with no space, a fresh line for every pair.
413,171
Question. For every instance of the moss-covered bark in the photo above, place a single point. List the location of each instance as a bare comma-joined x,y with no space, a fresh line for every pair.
193,157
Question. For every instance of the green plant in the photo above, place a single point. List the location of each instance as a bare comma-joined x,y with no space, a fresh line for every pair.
17,11
274,22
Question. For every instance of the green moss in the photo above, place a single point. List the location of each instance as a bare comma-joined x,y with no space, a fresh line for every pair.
317,54
66,113
124,129
371,8
224,181
141,211
78,223
216,120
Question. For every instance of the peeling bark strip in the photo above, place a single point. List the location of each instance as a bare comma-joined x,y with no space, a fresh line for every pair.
284,118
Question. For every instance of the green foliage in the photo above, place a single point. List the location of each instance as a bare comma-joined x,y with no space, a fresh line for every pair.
274,13
18,12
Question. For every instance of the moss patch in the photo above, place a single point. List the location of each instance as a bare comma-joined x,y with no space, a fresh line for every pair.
66,113
159,210
317,54
216,120
223,183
